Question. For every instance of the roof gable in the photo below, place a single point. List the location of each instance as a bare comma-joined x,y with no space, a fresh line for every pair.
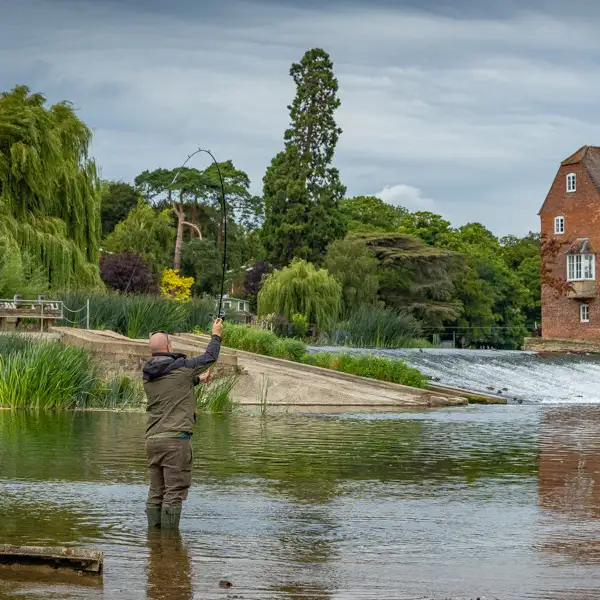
589,158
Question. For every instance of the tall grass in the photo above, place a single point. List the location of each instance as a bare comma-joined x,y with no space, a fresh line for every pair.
376,328
216,397
121,392
137,316
47,375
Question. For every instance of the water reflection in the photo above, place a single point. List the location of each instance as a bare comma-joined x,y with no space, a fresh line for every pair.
169,570
569,483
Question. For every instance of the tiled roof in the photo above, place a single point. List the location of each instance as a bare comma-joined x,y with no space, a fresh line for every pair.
589,157
581,246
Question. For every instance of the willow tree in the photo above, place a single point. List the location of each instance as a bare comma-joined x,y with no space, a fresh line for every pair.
49,192
302,289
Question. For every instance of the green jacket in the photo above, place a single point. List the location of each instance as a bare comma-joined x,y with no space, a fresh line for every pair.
169,380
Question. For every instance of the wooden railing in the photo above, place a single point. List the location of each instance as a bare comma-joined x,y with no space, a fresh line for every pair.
12,311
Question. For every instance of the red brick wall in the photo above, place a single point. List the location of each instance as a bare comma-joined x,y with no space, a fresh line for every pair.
581,210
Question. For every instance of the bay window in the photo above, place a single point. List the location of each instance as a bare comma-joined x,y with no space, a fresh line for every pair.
581,267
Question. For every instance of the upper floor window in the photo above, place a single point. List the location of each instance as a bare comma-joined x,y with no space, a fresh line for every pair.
571,182
584,313
559,225
241,306
581,267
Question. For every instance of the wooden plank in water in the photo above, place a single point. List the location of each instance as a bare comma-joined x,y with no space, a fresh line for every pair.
76,559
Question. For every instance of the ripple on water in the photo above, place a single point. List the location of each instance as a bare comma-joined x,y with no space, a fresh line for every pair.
501,502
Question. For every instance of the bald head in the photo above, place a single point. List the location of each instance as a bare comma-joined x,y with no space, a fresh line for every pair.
159,342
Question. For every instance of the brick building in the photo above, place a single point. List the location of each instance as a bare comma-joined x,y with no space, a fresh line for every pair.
570,215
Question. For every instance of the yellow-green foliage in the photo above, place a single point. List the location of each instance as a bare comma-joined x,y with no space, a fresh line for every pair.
302,289
174,285
49,193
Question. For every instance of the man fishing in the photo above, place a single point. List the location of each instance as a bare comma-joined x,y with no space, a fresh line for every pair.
169,380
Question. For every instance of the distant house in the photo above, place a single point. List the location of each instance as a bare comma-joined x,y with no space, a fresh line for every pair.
570,223
236,309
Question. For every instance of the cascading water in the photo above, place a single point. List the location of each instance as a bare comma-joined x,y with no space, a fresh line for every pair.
521,376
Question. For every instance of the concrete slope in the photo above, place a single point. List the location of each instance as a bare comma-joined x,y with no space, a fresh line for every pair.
287,383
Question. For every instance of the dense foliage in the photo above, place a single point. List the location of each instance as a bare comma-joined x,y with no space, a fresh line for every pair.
127,273
49,196
302,289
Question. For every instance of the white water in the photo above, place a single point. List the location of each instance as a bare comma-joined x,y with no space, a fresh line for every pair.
520,376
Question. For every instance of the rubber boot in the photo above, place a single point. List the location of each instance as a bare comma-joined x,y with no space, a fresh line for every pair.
170,517
153,513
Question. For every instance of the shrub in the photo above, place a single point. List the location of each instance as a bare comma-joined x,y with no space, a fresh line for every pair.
127,272
300,323
175,286
374,367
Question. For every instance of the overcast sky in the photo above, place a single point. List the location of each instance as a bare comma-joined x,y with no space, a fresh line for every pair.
462,107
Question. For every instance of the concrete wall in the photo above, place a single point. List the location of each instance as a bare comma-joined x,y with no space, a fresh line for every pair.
561,345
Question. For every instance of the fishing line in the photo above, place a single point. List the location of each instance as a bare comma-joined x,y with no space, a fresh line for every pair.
220,312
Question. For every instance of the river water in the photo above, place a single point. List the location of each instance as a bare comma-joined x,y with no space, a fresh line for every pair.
484,501
522,376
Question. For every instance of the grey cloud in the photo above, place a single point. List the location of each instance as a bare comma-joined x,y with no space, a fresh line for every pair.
467,106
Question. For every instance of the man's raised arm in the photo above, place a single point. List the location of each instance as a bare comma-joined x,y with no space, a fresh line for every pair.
201,363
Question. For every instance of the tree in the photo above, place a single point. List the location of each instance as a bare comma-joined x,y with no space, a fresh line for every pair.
416,278
18,275
146,233
127,272
302,289
355,267
368,214
302,191
431,228
49,197
195,199
254,279
190,185
492,295
201,260
118,199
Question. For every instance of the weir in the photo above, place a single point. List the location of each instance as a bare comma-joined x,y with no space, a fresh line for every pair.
517,376
263,380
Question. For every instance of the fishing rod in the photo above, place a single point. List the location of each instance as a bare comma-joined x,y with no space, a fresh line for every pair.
220,312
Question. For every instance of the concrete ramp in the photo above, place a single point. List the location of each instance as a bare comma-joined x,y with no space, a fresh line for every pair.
120,354
286,383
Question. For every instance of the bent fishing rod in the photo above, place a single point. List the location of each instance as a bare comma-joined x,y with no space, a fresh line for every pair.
220,312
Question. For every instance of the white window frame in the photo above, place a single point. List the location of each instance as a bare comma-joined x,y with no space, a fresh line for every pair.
559,225
241,306
584,313
571,183
581,267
